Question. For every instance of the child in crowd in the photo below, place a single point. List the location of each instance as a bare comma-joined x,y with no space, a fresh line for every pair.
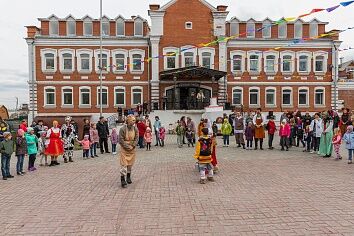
226,130
249,134
203,153
299,133
32,142
6,149
21,151
114,141
337,141
179,132
214,160
307,138
162,135
215,128
349,141
293,131
271,127
42,144
148,138
85,146
284,134
94,140
189,136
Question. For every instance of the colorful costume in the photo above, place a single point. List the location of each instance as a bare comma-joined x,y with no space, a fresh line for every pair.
55,146
69,135
259,133
326,146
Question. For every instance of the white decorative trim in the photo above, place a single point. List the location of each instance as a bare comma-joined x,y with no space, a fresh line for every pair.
325,61
114,63
243,62
276,60
309,55
275,96
285,83
192,50
94,41
142,94
63,82
167,50
61,60
43,61
97,62
273,43
45,96
139,52
84,51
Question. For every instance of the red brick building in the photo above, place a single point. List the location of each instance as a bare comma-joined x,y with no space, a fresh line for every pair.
243,72
346,84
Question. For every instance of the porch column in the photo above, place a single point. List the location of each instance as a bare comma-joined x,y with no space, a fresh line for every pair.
155,83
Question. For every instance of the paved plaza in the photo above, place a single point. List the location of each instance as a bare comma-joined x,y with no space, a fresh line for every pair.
255,193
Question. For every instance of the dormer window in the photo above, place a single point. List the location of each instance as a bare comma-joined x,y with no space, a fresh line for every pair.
105,27
298,30
251,29
189,25
54,26
71,27
282,30
87,27
267,26
234,27
138,27
120,27
313,29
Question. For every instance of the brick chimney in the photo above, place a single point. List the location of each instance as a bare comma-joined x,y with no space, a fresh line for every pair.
154,7
221,8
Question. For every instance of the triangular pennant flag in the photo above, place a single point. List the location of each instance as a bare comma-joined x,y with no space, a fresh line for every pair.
344,4
330,9
290,19
301,16
316,10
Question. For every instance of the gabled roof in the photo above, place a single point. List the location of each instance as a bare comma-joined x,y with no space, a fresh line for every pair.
139,17
170,3
87,17
69,17
106,18
268,19
317,21
234,19
119,17
49,18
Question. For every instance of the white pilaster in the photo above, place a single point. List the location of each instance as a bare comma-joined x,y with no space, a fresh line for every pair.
32,81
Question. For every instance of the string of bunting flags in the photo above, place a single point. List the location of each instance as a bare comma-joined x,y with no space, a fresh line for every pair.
278,22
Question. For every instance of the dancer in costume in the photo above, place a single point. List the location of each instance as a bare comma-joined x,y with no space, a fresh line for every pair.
69,135
259,134
55,146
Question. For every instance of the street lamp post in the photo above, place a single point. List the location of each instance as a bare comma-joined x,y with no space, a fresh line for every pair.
101,61
175,92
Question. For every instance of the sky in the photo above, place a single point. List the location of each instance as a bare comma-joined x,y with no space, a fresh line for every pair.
19,13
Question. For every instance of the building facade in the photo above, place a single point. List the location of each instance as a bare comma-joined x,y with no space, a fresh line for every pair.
346,84
259,69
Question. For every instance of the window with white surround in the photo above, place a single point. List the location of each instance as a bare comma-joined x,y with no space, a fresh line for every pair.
206,57
120,60
136,60
105,26
304,62
119,96
270,96
67,96
237,61
287,62
138,27
105,60
270,63
188,25
104,96
287,96
237,96
282,30
88,26
188,59
120,24
303,99
267,29
254,63
137,95
49,96
251,29
320,62
298,29
67,59
254,96
171,58
71,26
85,96
84,60
320,96
49,60
234,27
53,26
313,29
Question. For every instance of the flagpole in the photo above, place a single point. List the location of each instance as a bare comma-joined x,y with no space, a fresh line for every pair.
101,61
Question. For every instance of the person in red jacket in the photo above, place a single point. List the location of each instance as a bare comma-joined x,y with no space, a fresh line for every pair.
284,134
141,128
271,131
23,125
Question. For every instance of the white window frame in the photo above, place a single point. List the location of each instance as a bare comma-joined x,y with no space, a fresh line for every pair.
43,60
268,29
115,97
285,25
243,56
276,61
251,33
275,96
105,20
325,61
61,60
258,96
87,20
304,53
292,65
97,61
46,105
212,58
324,97
120,20
80,97
313,27
188,27
142,54
69,21
193,50
241,100
137,21
298,35
51,21
114,62
78,55
307,97
132,95
72,97
252,53
98,96
291,97
167,50
234,27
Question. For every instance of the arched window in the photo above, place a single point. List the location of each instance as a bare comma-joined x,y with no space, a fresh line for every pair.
254,63
188,59
237,63
303,63
287,63
49,61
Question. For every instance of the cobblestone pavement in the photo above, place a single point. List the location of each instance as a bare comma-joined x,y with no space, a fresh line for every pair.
255,193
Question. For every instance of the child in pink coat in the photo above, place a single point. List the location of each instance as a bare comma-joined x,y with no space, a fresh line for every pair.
284,134
148,138
85,147
114,141
162,136
337,141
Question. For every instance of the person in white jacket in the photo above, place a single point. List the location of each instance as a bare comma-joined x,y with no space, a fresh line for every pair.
316,130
